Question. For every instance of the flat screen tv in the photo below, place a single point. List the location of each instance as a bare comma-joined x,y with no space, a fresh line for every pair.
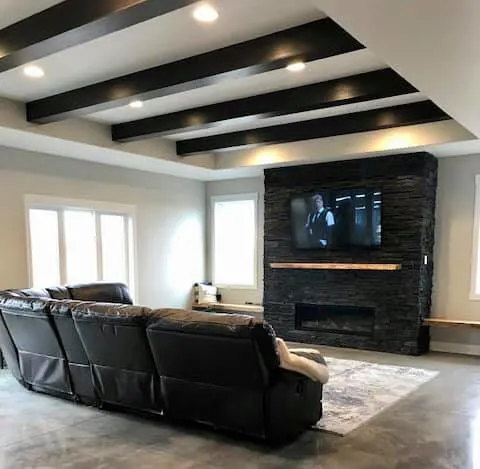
337,219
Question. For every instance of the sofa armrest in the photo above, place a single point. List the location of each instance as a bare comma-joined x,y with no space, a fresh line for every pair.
288,375
293,403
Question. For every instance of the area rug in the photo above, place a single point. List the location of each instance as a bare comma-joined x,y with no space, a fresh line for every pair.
358,391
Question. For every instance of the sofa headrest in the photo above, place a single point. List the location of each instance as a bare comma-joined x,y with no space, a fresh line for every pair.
200,322
58,293
30,292
23,305
110,313
64,308
105,292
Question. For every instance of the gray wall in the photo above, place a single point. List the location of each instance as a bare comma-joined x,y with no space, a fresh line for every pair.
239,186
170,215
453,253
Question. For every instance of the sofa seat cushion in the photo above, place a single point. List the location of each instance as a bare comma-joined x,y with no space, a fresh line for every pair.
308,362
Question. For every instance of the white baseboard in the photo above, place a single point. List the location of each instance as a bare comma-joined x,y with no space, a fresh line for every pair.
455,347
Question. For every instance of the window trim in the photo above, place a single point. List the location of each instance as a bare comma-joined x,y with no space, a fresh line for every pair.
475,242
46,202
232,198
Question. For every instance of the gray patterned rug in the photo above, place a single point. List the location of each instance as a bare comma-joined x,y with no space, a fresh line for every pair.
358,391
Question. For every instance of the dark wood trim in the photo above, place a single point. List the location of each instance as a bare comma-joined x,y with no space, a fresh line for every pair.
353,89
74,22
396,116
312,41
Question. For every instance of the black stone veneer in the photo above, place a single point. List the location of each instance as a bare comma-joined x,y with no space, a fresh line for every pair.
401,298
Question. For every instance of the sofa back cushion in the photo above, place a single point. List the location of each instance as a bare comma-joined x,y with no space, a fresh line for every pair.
77,360
115,341
218,349
59,293
104,292
9,349
41,355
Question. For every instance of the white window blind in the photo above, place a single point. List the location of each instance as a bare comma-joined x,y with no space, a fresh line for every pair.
76,242
234,240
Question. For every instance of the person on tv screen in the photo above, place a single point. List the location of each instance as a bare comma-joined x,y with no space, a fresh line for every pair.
319,223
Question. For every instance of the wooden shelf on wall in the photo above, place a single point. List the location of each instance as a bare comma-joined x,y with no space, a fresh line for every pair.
451,323
229,307
333,266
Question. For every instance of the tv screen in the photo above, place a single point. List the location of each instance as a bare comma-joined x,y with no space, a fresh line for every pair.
330,219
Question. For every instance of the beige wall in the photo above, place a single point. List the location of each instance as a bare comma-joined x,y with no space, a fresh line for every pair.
170,219
240,186
453,252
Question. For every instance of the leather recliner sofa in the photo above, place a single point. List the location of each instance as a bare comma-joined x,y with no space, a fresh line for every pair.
90,344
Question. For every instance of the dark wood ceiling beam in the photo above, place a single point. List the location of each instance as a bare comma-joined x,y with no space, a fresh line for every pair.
312,41
407,114
74,22
353,89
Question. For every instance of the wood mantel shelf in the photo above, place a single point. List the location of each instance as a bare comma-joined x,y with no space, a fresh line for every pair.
333,266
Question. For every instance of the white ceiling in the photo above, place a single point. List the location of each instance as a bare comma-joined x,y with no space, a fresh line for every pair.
432,44
158,41
12,11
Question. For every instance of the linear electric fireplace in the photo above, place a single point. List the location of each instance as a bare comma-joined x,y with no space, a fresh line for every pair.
352,320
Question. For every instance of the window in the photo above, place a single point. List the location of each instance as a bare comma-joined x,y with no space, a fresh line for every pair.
79,241
475,280
234,240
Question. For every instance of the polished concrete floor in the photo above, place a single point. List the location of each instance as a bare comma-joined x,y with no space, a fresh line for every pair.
436,427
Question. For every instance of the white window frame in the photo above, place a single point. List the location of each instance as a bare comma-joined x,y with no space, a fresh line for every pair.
33,201
476,241
233,198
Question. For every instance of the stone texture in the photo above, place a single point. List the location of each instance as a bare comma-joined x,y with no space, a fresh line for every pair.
401,298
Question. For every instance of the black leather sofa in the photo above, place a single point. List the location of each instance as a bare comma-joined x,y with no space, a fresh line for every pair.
88,343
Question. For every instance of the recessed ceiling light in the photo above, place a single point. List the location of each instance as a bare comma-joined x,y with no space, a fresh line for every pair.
296,66
136,104
33,71
205,13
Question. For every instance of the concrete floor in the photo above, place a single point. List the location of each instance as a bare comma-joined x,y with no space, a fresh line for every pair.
436,427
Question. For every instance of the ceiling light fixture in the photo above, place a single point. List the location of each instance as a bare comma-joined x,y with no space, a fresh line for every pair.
296,66
137,104
33,71
205,13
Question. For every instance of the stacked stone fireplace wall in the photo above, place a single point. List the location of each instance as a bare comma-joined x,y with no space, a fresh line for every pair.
401,299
